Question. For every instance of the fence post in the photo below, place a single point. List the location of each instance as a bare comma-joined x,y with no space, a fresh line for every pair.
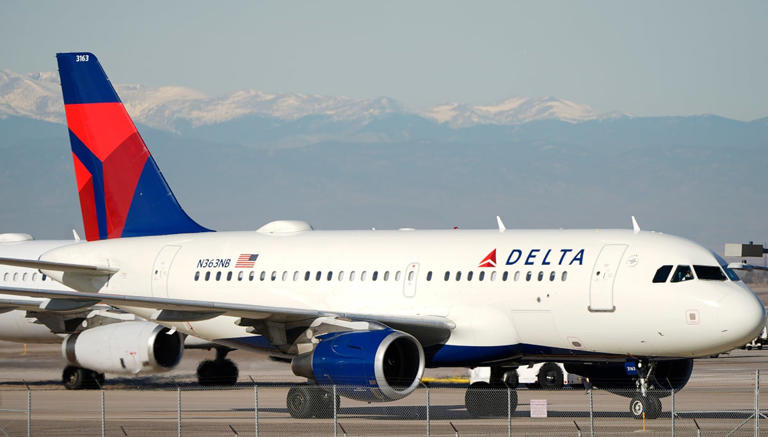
591,414
427,409
29,410
103,413
178,411
509,412
335,416
255,407
757,402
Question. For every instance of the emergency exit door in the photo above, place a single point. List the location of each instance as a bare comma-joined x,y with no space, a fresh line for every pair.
604,277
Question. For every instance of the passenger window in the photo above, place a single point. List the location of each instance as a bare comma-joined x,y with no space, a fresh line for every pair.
469,275
386,275
5,277
429,276
197,276
34,276
709,273
46,277
263,275
318,275
251,275
285,275
352,275
330,275
505,276
362,276
682,273
517,275
24,277
229,276
410,275
240,275
552,276
295,275
207,275
374,276
493,276
541,276
447,275
528,276
341,275
218,276
306,275
15,277
481,276
458,276
662,274
397,276
564,277
273,276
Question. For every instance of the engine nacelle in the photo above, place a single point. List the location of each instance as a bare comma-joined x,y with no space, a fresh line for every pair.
667,375
373,366
125,348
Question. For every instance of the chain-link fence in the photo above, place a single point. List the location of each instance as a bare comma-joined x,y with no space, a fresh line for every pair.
718,404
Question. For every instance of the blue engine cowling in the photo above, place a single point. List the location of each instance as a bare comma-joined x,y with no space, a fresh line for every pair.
372,366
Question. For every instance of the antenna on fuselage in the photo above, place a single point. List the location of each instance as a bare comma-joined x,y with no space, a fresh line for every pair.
502,228
75,235
635,226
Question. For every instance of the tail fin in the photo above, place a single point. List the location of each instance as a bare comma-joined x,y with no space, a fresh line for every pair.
122,192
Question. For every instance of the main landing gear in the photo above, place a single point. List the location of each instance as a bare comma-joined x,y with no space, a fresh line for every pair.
644,401
494,398
221,371
307,401
78,378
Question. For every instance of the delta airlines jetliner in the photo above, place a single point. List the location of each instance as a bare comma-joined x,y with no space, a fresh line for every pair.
629,309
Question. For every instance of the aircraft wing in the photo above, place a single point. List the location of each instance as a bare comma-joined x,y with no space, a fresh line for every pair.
7,304
176,310
59,267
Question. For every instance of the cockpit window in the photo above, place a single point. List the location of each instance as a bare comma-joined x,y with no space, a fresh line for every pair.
724,264
662,274
712,273
682,273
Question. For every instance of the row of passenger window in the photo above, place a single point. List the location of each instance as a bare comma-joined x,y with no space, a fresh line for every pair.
385,276
685,273
16,277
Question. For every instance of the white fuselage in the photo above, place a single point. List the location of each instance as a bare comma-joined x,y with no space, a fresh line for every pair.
590,291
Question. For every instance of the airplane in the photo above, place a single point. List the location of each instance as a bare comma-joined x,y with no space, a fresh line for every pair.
369,310
83,328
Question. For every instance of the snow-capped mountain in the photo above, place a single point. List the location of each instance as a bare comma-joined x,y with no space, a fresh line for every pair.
37,95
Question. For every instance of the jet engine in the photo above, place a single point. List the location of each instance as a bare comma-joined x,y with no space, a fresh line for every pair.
666,375
374,366
124,348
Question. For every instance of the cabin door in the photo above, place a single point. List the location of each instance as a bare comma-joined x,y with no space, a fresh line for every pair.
604,276
161,269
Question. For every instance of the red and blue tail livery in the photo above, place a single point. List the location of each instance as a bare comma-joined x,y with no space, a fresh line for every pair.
122,192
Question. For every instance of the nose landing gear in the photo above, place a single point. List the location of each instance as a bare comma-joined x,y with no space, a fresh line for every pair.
645,400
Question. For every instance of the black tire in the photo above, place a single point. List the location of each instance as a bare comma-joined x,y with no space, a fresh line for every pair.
301,402
512,379
550,377
324,407
74,378
206,373
226,372
474,399
96,379
651,405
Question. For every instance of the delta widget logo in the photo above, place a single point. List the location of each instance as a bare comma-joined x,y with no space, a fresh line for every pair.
489,260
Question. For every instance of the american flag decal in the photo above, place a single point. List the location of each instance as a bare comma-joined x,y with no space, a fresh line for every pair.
246,260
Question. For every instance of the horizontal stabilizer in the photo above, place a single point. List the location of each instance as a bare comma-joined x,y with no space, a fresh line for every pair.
59,267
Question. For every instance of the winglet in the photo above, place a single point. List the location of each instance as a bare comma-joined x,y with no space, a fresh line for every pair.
502,228
635,226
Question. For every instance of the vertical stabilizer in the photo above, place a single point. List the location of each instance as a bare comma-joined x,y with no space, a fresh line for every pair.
122,192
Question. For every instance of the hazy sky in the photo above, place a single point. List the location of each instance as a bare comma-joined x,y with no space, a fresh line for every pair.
645,58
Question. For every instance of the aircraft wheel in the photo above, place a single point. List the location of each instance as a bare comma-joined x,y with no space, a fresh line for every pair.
227,372
74,378
650,404
206,373
550,377
307,401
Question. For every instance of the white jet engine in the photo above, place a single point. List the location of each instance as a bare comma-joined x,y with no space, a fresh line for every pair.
125,348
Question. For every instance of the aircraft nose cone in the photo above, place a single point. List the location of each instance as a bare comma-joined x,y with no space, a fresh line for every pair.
742,317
